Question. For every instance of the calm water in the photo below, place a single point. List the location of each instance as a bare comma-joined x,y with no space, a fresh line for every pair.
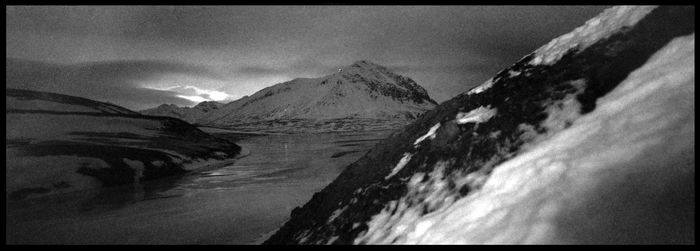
241,203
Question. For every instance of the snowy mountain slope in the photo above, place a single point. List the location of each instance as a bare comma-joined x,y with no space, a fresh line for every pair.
57,143
189,114
363,90
590,145
42,101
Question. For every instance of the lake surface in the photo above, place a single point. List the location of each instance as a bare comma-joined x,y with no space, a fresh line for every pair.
240,203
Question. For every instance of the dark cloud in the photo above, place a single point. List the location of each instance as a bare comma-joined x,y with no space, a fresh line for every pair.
116,82
76,20
511,32
258,70
470,66
446,49
142,69
306,67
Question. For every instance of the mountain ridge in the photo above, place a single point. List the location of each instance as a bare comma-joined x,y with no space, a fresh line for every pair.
361,90
189,114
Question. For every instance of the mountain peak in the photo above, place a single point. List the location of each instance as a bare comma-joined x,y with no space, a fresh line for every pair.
365,65
167,106
362,89
208,106
208,103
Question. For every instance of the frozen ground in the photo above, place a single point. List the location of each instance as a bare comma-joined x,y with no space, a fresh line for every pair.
237,204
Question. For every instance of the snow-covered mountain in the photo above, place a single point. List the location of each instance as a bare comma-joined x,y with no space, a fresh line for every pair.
589,139
361,91
57,143
189,114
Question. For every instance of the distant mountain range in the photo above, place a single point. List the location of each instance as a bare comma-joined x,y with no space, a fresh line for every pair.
189,114
355,97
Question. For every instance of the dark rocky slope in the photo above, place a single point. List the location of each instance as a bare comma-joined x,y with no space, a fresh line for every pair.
526,103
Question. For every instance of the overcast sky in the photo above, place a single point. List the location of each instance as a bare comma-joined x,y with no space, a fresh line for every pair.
143,56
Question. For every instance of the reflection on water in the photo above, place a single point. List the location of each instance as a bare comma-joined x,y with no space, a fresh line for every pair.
237,203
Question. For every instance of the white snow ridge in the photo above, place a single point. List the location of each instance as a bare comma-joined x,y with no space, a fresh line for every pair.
595,29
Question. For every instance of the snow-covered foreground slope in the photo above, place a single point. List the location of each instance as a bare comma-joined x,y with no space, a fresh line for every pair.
189,114
637,143
363,90
592,143
58,143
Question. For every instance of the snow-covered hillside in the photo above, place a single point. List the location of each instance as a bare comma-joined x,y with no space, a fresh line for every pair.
189,114
58,143
589,139
363,90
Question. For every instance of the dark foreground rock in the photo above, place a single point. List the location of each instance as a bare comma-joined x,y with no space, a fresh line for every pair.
566,146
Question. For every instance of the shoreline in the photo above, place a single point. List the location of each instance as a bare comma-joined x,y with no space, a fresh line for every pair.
217,164
195,167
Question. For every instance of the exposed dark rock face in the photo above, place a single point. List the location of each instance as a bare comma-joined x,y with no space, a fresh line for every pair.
523,97
208,106
410,91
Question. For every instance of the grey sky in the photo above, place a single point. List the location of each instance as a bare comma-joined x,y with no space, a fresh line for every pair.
149,55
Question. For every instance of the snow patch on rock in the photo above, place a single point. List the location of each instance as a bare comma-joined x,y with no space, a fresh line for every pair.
512,73
336,213
430,134
481,88
406,158
397,218
478,115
